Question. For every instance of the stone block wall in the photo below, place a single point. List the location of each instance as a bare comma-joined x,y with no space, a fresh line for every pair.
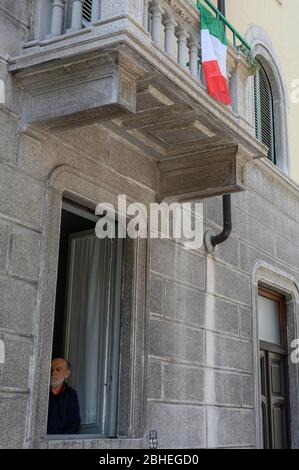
20,231
199,359
200,383
205,302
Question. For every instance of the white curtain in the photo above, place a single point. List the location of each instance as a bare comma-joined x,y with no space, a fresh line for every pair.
87,323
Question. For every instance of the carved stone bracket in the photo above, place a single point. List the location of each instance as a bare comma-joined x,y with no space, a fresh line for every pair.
79,91
207,173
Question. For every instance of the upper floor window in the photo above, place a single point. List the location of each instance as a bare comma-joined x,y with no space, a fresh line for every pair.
264,111
87,11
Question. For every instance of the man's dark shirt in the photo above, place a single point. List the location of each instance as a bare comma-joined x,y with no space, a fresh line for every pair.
64,412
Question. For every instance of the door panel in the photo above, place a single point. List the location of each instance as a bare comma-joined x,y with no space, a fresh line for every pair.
278,417
264,401
278,399
274,400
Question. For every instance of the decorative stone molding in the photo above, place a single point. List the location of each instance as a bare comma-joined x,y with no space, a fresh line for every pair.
263,274
88,190
264,51
180,10
238,74
208,172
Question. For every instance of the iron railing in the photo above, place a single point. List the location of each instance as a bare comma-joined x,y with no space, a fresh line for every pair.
235,34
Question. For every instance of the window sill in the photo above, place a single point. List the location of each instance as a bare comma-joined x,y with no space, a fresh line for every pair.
84,441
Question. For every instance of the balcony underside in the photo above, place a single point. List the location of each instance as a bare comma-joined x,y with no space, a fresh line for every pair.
199,145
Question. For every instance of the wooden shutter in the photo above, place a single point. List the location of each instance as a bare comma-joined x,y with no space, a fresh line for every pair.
87,11
264,111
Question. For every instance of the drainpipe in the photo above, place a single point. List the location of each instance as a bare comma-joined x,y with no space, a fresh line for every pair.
211,241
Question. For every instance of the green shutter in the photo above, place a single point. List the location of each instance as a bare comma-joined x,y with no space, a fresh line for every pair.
264,115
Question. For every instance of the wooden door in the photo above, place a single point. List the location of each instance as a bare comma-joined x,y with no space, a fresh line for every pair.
274,380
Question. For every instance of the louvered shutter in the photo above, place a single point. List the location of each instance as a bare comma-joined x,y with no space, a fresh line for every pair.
264,115
87,11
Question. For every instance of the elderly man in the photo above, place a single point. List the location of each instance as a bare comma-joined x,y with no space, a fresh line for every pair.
64,412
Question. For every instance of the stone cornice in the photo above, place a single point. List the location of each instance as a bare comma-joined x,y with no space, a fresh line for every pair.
274,172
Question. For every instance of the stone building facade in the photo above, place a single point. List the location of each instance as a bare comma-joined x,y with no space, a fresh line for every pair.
93,108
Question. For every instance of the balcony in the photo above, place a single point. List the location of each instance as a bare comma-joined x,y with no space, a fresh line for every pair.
134,66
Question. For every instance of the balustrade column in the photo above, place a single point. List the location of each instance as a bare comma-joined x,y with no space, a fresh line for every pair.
56,18
156,11
170,25
193,58
182,47
76,15
96,10
145,13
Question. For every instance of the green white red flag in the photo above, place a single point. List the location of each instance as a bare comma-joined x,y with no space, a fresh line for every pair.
214,55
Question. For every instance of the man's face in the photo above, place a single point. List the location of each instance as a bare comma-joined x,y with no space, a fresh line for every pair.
59,372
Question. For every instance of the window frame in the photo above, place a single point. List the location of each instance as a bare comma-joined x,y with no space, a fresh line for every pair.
264,51
280,299
73,183
276,279
267,349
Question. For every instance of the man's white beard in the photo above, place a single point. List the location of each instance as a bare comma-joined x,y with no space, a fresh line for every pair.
56,383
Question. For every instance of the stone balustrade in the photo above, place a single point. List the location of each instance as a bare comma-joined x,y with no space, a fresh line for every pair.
162,35
173,24
68,16
175,30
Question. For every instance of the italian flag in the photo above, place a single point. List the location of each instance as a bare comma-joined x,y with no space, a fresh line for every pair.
214,54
